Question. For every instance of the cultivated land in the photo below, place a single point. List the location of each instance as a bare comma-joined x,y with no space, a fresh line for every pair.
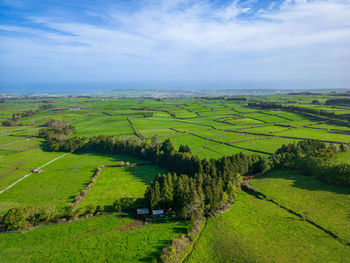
252,230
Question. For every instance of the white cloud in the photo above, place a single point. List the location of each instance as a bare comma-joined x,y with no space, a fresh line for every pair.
171,39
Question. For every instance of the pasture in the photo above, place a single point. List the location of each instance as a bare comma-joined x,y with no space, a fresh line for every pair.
252,230
108,238
255,230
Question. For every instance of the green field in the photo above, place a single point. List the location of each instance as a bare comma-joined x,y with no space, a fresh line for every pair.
109,238
325,204
252,230
114,183
255,230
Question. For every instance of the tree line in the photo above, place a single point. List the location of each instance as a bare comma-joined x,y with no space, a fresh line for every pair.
338,101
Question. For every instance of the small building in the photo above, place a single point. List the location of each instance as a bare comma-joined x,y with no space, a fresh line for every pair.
159,212
142,211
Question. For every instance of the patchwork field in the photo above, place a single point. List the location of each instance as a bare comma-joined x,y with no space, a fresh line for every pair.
252,230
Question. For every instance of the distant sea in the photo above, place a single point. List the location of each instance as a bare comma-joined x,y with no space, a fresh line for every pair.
94,87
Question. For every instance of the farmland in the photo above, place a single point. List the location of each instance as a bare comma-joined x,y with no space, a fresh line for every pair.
251,230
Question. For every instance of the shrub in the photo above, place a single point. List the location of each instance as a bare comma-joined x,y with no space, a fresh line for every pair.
71,212
124,204
91,209
16,219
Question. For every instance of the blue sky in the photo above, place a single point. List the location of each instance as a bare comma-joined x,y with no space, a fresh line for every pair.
284,41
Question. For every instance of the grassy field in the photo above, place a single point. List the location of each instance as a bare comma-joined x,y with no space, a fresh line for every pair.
57,188
108,238
114,183
344,157
327,205
255,230
252,230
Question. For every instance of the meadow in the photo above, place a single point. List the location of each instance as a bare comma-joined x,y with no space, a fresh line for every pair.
117,182
108,238
252,230
255,230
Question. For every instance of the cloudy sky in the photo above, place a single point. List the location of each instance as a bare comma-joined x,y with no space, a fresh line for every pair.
306,42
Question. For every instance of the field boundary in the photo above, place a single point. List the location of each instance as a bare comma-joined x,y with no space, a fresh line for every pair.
193,244
257,194
227,144
136,131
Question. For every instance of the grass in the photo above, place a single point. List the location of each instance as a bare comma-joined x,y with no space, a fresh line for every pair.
114,183
105,238
22,144
31,159
325,204
251,231
48,188
344,157
255,230
90,160
269,145
310,133
10,175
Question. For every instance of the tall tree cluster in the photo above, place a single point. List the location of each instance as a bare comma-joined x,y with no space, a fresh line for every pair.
314,158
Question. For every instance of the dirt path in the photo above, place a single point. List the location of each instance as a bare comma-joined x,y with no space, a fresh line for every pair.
20,179
15,142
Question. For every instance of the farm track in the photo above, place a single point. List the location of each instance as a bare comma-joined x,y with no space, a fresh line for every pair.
257,194
15,142
22,178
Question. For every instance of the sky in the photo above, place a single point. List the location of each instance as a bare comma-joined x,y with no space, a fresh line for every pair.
107,44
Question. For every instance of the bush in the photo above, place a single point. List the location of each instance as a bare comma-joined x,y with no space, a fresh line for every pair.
71,212
124,204
16,219
90,209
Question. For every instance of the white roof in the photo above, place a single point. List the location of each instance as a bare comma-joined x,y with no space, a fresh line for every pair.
141,211
158,212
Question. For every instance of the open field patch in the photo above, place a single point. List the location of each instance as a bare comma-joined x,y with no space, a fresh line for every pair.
325,204
269,145
316,134
114,183
255,230
49,188
97,239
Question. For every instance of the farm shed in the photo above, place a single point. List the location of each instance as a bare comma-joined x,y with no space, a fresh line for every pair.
142,211
159,212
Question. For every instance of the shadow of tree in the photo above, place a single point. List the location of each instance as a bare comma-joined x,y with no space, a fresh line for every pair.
304,182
